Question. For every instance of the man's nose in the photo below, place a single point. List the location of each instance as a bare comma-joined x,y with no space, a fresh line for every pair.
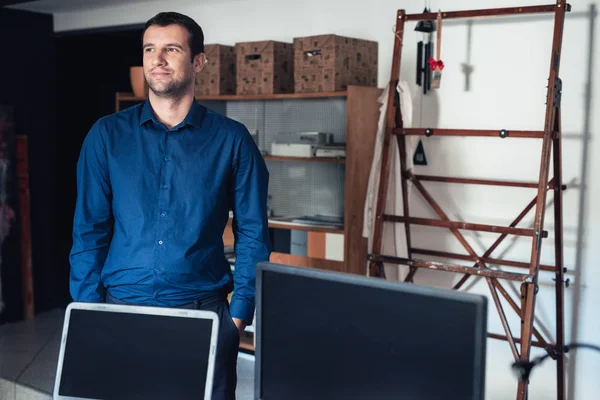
159,58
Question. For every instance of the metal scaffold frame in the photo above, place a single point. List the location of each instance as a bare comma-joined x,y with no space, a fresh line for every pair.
551,142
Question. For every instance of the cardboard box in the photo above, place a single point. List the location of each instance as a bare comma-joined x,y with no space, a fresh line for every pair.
265,67
330,63
218,75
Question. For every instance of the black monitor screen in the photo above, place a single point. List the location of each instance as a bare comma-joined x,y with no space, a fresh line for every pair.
325,335
113,355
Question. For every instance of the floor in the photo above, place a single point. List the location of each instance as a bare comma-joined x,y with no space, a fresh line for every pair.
29,353
245,368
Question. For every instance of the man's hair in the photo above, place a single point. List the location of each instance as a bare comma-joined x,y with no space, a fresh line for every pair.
196,36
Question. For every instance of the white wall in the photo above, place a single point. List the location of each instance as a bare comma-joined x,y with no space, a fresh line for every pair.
511,63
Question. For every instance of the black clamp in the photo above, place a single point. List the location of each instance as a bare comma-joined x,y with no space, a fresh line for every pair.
567,281
503,133
553,351
428,132
557,92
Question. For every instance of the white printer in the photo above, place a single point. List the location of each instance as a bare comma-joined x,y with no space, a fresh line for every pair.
306,144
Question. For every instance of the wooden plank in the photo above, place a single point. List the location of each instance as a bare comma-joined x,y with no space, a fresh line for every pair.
362,116
280,96
391,118
517,340
306,228
462,225
490,273
301,261
487,260
489,12
468,132
559,259
22,160
339,160
316,244
529,291
228,232
472,181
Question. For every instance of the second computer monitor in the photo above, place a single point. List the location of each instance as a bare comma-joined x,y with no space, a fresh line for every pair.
327,335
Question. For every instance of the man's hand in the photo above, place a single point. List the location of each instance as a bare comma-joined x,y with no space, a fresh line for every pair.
240,325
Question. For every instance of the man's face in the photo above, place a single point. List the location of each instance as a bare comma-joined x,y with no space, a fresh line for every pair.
168,65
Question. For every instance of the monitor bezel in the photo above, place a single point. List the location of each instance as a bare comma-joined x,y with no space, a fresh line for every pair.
136,309
479,301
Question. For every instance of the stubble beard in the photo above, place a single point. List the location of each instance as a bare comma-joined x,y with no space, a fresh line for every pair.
173,89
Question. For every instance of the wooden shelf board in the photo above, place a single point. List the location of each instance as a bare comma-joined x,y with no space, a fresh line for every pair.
308,228
303,227
340,160
130,97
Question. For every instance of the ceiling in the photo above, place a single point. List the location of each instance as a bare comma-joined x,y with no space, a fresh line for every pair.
55,6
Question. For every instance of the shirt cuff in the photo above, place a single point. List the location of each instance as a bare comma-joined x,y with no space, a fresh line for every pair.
242,309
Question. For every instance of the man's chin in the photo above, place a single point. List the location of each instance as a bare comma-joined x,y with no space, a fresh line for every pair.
163,92
167,91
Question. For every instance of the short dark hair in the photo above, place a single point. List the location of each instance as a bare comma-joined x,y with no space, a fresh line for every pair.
196,36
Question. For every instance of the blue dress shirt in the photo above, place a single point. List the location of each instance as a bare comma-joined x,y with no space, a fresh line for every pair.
152,205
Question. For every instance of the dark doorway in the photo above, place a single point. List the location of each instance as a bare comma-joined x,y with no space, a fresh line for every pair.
92,66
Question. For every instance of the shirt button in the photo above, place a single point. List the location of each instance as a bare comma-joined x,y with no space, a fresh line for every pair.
162,214
167,159
160,242
164,186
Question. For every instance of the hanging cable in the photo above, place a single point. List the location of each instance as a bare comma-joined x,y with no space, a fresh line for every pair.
523,368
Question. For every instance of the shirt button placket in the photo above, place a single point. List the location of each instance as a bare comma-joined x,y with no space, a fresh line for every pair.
163,207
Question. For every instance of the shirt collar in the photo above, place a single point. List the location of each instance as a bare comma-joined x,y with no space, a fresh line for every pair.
194,117
146,113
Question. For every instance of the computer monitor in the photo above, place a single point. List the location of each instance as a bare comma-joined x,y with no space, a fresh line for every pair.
111,351
330,335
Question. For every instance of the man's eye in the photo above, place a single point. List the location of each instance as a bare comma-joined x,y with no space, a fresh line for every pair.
148,50
172,49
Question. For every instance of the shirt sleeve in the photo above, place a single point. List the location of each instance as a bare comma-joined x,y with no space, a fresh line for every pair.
250,224
93,220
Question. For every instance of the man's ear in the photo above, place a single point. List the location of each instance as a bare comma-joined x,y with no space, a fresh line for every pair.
199,62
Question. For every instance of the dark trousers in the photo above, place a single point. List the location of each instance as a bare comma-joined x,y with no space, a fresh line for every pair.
228,342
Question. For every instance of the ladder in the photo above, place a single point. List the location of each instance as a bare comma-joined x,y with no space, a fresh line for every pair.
551,142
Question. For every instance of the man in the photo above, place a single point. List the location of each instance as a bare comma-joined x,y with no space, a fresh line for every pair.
155,186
